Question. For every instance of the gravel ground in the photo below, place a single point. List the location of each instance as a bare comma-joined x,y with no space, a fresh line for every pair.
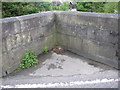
64,71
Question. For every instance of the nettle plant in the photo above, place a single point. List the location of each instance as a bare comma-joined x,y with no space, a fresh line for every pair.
28,60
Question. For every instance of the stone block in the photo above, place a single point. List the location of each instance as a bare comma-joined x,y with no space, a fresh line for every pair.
81,31
0,64
14,56
35,46
104,35
91,32
32,21
48,29
4,49
12,68
13,41
63,39
5,62
68,29
26,38
41,32
7,28
8,43
107,51
10,26
90,47
98,49
78,44
50,41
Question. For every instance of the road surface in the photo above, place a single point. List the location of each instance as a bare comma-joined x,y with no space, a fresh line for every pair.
64,71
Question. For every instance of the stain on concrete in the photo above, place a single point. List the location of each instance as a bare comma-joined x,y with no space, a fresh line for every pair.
52,66
60,67
64,65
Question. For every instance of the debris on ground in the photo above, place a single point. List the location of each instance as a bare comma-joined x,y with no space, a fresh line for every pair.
57,49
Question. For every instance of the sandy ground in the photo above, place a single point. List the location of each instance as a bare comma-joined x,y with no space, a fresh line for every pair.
67,70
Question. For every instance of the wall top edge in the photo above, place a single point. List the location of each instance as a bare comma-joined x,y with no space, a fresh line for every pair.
24,17
78,13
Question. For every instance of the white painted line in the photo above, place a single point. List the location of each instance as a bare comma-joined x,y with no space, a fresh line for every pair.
52,85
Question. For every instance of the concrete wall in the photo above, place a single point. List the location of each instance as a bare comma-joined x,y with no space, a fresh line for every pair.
92,35
29,32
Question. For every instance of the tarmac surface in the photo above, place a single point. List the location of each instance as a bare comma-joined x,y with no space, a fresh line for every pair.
64,71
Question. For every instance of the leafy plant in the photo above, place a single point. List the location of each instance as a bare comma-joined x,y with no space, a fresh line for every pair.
11,9
102,7
90,6
45,49
111,7
62,7
28,60
43,6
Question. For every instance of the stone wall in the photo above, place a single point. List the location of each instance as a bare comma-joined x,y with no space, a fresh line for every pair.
29,32
92,35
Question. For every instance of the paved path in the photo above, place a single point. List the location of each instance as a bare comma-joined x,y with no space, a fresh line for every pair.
64,71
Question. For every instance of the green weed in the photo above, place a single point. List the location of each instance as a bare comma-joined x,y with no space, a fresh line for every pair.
28,60
45,49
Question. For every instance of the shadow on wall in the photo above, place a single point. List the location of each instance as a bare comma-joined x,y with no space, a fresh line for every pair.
92,35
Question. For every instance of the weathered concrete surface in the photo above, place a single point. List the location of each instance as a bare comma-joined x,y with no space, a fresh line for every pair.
54,72
92,35
29,32
58,65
